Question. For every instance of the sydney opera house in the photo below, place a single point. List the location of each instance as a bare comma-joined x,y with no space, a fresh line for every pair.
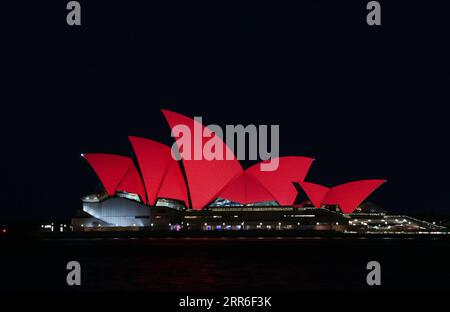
151,190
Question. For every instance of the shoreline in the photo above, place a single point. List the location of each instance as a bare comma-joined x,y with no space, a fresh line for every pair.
331,235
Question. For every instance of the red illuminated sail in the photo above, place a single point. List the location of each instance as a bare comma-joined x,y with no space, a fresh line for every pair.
349,195
205,177
109,168
158,166
280,181
132,183
246,189
315,192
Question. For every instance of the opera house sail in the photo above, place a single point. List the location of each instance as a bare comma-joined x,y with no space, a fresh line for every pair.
152,190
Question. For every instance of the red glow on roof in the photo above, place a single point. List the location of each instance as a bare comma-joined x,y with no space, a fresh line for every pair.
173,185
205,177
279,182
246,189
349,195
109,168
132,183
206,180
156,164
315,192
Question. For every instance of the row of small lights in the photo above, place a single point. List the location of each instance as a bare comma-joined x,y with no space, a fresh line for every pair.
206,224
260,224
385,222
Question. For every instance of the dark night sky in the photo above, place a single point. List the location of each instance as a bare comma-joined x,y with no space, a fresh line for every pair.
365,102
